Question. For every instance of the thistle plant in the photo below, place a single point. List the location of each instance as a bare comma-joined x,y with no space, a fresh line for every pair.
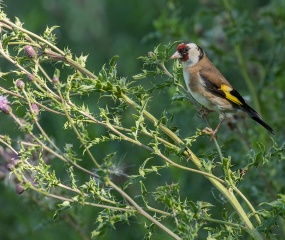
44,80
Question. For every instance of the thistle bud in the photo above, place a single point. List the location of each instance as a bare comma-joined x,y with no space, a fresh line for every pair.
10,166
30,51
19,188
31,77
15,161
20,84
35,108
55,79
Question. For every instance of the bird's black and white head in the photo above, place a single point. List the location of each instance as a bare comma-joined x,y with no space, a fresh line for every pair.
188,53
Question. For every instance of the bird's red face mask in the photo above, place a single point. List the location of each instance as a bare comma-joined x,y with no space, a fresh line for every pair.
182,52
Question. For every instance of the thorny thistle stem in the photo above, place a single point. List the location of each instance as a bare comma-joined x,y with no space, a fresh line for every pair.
53,53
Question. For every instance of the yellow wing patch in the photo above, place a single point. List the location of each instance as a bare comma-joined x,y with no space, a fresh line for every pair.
226,89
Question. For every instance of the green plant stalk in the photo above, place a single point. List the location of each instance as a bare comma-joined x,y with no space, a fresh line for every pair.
220,222
164,157
71,200
114,186
23,98
235,188
11,24
226,192
206,219
166,130
126,138
42,70
37,123
42,145
141,211
57,57
7,145
87,195
70,120
248,204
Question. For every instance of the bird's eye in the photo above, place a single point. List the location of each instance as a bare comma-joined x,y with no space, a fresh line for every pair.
185,50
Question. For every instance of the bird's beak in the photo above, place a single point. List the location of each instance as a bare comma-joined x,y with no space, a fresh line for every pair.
176,55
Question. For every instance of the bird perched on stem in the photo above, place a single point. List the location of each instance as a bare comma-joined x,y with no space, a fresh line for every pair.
209,87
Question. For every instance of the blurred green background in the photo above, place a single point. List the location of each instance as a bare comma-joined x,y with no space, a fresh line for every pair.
104,28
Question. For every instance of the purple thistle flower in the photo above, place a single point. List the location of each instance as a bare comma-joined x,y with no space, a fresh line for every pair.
4,104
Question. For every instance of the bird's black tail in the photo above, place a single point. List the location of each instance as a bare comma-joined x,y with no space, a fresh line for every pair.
255,116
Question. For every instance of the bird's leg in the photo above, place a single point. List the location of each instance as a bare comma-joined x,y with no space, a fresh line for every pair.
203,112
208,130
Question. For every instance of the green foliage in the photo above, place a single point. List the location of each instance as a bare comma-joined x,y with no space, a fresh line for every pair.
107,153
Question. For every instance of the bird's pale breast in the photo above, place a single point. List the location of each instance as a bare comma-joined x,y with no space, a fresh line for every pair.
196,87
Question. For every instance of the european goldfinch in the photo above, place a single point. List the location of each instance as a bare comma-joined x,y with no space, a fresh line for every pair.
208,86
